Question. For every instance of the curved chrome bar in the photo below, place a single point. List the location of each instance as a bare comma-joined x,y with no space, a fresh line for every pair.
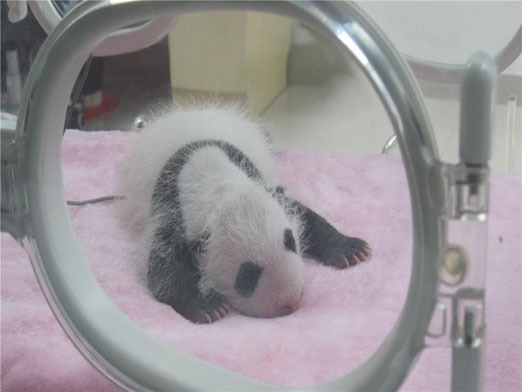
134,38
452,73
115,345
125,40
392,140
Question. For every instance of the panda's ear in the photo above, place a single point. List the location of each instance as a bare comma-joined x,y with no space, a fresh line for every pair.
247,278
289,241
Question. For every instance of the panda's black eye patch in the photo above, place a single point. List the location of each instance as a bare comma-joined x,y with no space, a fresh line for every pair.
247,278
289,241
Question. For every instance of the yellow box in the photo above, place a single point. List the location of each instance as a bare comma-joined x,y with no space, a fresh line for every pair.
230,55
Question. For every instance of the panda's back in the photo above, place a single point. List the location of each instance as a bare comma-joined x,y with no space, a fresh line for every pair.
166,135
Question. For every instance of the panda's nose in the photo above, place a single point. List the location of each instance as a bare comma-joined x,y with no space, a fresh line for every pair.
292,305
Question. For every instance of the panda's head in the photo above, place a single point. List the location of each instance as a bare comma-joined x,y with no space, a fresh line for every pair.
253,255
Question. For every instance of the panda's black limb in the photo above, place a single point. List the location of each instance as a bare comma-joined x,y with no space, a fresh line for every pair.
327,245
174,279
206,309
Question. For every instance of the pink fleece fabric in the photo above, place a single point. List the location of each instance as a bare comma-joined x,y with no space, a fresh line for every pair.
343,317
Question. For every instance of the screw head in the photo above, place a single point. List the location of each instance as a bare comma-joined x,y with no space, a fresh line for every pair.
453,265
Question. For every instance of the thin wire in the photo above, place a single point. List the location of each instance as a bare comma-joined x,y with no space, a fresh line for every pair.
93,201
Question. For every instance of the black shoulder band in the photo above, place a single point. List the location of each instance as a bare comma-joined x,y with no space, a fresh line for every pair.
166,192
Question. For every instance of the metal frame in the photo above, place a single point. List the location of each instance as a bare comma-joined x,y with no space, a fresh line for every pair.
34,208
451,74
124,40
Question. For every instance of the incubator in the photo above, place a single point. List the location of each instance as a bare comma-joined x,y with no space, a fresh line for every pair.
449,201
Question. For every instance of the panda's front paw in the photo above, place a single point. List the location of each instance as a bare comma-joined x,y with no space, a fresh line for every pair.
206,310
342,252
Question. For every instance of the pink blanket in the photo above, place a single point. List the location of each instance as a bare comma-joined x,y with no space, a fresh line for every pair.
344,314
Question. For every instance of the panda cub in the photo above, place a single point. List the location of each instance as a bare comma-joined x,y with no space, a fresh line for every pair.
215,227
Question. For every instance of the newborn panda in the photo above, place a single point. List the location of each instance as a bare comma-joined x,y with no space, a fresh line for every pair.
214,224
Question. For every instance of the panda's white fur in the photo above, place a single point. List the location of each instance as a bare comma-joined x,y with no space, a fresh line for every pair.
242,216
173,129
